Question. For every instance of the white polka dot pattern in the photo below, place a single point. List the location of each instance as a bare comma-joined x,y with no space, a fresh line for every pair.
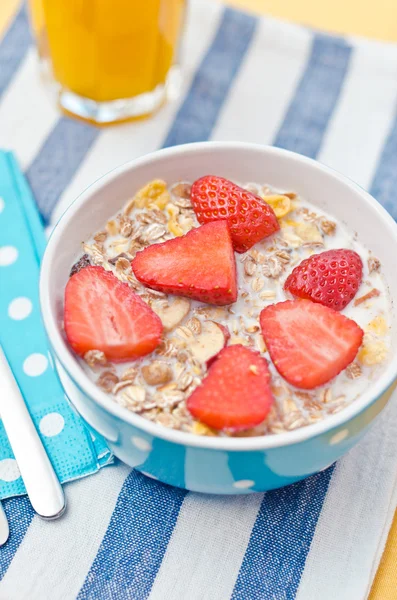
8,255
243,484
9,470
52,424
35,364
339,437
2,205
141,443
20,308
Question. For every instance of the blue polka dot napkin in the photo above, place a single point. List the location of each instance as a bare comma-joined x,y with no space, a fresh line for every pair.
74,451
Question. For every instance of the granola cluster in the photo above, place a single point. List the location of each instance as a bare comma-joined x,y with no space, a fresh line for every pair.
157,386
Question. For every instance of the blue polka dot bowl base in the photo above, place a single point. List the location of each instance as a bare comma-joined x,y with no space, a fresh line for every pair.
218,465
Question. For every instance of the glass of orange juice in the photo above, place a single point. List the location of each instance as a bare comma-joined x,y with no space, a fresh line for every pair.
110,60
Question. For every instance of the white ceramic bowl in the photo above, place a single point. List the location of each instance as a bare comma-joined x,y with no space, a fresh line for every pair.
211,464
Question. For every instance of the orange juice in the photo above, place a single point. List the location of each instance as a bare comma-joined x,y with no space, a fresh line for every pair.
106,50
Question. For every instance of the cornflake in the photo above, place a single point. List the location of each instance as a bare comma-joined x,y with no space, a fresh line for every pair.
373,352
153,193
378,326
309,233
280,204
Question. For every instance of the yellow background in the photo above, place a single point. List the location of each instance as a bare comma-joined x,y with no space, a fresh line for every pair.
370,18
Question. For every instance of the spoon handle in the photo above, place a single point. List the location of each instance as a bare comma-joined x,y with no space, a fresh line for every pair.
42,485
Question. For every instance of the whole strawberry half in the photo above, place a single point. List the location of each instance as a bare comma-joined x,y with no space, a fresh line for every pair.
250,219
331,278
236,393
102,313
309,343
199,265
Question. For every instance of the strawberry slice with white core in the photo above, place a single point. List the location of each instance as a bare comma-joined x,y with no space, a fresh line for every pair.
309,343
199,265
102,313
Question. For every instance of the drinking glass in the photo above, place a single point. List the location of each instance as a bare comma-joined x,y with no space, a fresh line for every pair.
109,60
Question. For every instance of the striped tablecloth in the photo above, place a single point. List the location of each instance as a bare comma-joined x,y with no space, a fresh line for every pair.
126,536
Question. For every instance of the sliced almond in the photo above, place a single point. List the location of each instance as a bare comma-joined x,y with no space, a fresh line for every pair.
172,314
208,343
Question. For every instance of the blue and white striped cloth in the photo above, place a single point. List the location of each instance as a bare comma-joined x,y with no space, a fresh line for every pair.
126,536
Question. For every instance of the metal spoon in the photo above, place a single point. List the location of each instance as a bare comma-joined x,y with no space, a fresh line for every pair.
42,485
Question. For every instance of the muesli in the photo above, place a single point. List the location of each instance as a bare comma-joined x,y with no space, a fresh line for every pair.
217,309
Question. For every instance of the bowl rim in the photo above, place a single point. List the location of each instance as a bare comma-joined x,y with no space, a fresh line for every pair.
74,370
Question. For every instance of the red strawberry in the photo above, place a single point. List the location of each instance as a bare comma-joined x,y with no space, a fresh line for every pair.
308,343
249,217
331,278
236,393
102,313
199,265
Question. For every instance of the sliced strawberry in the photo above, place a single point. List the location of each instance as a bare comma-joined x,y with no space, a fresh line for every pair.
236,393
249,217
331,278
309,343
102,313
199,265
